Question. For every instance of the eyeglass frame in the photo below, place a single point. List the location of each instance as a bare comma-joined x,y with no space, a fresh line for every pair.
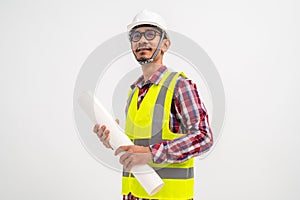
143,34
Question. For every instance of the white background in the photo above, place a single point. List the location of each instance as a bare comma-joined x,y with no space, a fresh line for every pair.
254,45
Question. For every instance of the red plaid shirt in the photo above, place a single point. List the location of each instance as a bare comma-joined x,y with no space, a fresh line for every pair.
188,115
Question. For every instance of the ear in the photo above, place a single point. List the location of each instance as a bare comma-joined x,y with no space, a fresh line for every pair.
165,45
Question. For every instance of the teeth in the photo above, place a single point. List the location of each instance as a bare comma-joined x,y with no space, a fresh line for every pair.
143,48
139,49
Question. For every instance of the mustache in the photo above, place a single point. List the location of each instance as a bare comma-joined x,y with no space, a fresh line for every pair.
143,47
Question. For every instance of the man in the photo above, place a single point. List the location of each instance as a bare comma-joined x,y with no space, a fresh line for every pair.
165,117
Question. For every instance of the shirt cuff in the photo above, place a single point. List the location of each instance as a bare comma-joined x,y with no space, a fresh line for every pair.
159,152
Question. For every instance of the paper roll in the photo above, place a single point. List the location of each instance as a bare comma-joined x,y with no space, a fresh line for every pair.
146,176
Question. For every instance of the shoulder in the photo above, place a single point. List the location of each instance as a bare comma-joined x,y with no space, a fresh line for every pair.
185,89
183,81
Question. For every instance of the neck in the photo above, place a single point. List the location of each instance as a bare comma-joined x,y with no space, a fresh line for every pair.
149,69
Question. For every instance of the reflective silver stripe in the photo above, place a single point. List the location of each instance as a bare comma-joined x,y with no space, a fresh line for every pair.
142,142
171,173
158,114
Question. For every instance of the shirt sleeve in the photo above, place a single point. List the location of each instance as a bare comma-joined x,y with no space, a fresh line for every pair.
193,117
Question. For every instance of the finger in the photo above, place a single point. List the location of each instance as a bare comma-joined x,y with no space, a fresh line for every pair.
107,144
106,139
123,158
122,148
103,127
119,150
96,127
101,130
129,166
129,163
99,134
118,121
104,135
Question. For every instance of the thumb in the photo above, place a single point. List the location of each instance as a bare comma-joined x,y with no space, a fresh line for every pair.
118,121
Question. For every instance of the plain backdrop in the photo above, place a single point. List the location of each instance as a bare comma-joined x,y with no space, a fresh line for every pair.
254,45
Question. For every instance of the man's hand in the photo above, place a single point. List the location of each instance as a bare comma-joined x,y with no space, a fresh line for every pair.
103,134
134,155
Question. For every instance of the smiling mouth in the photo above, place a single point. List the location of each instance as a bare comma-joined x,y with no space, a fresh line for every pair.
143,49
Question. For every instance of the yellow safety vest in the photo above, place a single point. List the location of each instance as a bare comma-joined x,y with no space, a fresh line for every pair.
149,125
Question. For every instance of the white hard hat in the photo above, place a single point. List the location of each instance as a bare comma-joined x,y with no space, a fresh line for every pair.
150,18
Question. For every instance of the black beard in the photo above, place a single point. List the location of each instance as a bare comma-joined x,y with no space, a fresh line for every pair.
141,59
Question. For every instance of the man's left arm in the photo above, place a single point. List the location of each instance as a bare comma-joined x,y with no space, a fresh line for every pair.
194,120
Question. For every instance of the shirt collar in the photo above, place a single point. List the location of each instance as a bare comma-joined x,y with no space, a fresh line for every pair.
155,78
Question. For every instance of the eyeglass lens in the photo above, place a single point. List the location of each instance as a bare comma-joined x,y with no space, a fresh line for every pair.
148,34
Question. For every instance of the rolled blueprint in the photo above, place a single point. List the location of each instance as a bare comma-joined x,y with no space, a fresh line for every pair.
146,176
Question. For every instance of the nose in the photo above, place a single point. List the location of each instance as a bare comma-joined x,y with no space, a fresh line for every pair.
143,42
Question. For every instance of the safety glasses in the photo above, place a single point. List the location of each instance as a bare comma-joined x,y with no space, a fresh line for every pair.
148,34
